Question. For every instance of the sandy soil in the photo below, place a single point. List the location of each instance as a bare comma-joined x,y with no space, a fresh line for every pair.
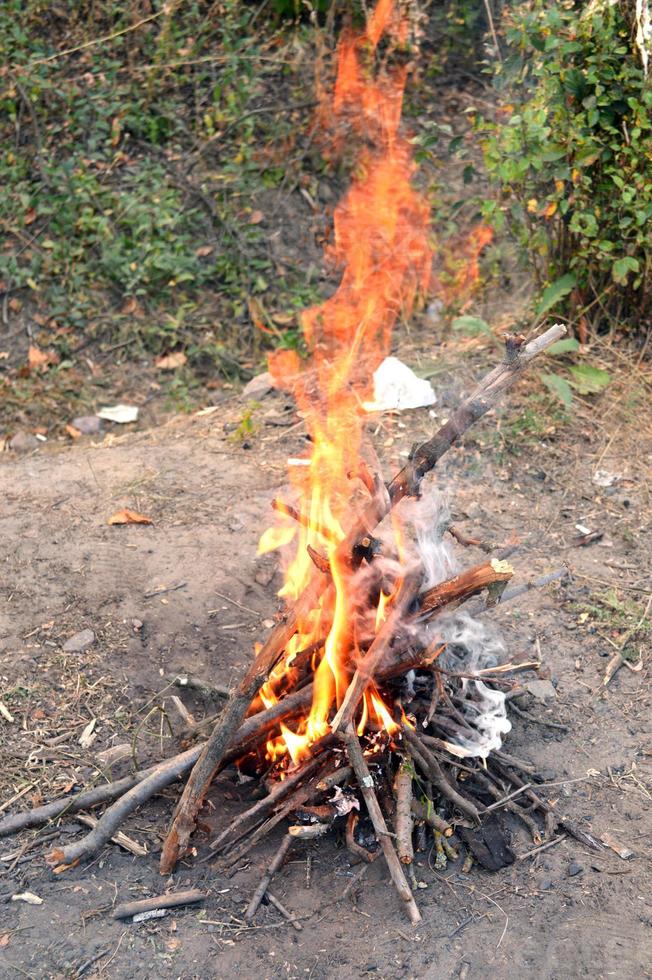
568,912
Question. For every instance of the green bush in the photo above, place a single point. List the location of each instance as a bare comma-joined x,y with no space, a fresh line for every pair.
573,157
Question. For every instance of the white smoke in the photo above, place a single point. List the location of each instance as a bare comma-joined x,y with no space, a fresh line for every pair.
470,645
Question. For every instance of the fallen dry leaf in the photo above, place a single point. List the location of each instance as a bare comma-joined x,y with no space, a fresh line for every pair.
4,940
4,355
169,362
203,251
89,735
40,360
73,432
131,307
126,516
30,216
256,217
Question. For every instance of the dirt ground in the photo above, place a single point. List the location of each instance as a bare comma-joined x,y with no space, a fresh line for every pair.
567,912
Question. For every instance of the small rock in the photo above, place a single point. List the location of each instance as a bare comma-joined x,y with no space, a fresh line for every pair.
88,425
137,625
23,442
575,868
80,642
541,690
546,885
259,386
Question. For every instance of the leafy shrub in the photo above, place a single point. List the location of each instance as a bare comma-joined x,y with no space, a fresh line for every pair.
573,158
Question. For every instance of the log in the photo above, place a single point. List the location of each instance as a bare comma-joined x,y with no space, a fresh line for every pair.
406,482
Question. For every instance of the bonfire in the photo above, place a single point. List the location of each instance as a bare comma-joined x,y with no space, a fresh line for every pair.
378,703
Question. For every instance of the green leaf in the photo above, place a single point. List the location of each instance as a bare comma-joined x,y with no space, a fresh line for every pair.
556,291
622,267
589,380
559,387
472,326
564,346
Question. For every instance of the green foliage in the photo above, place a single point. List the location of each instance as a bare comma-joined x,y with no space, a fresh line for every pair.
585,379
471,326
128,163
573,156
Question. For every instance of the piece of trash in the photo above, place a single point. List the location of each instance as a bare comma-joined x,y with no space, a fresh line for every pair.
28,897
79,642
620,849
5,712
396,386
170,362
603,478
582,528
120,414
152,914
89,735
343,802
126,516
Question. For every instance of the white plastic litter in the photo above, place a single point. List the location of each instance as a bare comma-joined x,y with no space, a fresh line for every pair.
119,413
396,386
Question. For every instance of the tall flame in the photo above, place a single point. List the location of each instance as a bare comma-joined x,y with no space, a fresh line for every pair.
381,230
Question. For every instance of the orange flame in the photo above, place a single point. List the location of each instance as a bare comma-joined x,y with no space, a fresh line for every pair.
381,243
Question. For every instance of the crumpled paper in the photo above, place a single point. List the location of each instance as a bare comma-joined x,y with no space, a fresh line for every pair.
396,387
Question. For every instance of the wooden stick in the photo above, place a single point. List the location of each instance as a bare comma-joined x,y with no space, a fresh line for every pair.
407,482
281,790
428,815
369,665
366,784
466,584
274,865
169,901
294,922
351,843
204,770
438,776
404,821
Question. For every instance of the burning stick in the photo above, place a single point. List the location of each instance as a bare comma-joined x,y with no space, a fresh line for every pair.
366,784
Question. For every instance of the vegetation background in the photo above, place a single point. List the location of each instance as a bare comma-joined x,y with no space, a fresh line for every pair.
165,200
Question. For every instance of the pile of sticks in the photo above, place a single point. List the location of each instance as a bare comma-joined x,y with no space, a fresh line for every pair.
407,781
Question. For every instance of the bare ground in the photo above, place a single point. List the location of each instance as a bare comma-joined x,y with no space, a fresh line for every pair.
568,912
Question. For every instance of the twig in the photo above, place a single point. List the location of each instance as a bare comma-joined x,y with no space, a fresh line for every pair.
273,900
537,721
274,865
164,591
541,847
